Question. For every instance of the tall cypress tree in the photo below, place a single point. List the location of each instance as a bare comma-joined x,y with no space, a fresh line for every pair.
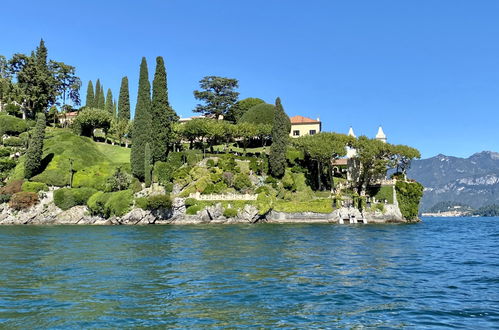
34,153
89,103
97,93
115,112
102,99
280,136
109,102
141,123
164,116
147,165
124,100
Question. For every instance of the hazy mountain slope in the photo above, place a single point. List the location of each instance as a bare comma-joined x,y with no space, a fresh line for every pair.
472,181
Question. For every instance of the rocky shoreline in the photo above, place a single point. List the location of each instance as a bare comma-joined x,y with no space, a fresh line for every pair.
46,213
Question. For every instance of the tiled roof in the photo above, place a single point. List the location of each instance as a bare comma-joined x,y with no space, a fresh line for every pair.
303,120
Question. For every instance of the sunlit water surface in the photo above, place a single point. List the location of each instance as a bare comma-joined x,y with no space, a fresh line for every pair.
438,273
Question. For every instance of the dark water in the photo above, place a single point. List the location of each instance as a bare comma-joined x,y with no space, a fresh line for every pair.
439,273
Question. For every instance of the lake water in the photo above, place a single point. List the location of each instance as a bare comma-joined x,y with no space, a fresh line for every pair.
438,273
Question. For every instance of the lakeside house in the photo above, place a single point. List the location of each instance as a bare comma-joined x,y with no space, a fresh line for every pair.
301,126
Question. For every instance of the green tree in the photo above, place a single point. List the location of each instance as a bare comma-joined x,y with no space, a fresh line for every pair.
246,131
124,101
89,119
97,96
218,94
102,100
280,136
142,123
34,153
162,135
67,83
90,100
241,107
147,165
109,107
403,156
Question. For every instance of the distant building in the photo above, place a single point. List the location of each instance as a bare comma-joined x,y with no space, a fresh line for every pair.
301,126
66,119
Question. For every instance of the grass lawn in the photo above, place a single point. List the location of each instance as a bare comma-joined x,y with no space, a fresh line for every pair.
116,154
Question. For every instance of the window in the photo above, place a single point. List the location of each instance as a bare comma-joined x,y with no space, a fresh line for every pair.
296,133
312,132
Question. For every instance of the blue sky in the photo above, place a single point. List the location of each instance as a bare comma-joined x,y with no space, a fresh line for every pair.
427,71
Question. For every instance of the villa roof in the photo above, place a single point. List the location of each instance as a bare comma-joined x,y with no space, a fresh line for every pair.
68,114
303,120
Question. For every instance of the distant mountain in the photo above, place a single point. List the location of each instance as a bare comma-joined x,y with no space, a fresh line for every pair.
472,181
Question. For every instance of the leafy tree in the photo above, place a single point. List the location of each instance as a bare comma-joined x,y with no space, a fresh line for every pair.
246,131
120,180
147,165
109,107
280,135
241,107
218,95
403,156
264,132
67,83
34,153
142,123
194,129
162,135
89,119
90,100
119,129
124,100
214,131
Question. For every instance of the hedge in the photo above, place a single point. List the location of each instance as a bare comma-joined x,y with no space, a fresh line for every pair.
110,204
13,142
34,186
11,125
66,198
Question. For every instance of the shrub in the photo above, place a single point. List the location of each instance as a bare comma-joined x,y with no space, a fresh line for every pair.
12,125
293,155
120,180
192,157
210,163
110,204
242,182
194,209
141,202
287,181
168,187
408,196
23,200
381,193
13,141
262,113
136,186
6,164
4,198
230,213
157,202
66,198
12,187
163,172
228,178
4,152
228,163
189,202
316,206
34,187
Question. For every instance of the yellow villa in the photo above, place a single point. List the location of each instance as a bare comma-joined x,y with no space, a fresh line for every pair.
304,126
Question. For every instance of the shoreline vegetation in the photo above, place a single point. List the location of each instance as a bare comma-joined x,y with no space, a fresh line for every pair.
235,163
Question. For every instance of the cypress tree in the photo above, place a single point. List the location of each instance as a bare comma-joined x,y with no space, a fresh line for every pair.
280,135
90,95
96,94
115,113
109,102
164,116
102,100
124,100
147,165
142,122
34,153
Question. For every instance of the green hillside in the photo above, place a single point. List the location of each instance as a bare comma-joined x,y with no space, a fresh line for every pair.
92,162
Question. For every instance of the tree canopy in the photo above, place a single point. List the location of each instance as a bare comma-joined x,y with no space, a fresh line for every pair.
218,95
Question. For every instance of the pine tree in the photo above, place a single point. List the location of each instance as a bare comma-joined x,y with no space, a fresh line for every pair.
147,165
34,153
164,116
280,135
97,94
141,123
102,100
124,100
109,102
90,95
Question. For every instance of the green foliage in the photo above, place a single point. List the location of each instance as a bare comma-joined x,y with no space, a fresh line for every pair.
4,152
162,135
13,141
242,182
210,163
194,209
316,206
240,108
157,202
408,196
488,211
109,107
189,202
124,101
34,186
141,203
230,213
66,198
381,193
6,164
288,182
4,198
110,204
218,95
23,200
147,166
262,113
11,125
142,123
120,180
90,100
280,135
33,160
89,119
136,186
